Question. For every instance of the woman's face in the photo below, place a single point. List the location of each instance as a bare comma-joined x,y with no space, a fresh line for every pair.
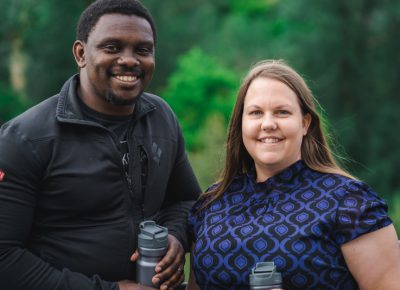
273,126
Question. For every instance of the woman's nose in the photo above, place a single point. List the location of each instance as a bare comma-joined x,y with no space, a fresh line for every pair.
268,123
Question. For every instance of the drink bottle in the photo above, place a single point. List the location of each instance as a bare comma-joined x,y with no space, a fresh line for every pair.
264,276
152,246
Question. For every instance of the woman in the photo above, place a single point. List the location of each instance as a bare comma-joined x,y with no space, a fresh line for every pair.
283,198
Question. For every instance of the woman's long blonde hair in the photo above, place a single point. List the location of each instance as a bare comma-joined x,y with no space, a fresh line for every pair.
315,150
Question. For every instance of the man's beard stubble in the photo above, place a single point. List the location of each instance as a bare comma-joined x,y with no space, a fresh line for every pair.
115,100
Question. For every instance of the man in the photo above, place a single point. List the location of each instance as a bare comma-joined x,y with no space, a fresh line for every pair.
82,169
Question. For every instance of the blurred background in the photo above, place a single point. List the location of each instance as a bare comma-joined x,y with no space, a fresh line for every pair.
348,52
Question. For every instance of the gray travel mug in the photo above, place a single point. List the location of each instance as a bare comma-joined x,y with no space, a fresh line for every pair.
152,246
264,276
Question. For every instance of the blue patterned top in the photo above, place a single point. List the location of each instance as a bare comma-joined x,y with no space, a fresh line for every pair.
298,219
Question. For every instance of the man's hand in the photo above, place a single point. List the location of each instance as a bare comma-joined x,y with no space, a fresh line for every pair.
129,285
170,269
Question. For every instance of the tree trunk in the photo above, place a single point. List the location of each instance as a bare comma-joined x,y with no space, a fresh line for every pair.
17,67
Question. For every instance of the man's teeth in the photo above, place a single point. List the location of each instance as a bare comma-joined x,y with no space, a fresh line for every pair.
126,78
270,140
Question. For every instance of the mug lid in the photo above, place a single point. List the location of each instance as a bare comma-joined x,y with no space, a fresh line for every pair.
152,235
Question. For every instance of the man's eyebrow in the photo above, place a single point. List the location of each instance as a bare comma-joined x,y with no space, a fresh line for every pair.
109,39
117,40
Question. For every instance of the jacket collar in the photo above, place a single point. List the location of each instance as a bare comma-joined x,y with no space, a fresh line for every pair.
68,108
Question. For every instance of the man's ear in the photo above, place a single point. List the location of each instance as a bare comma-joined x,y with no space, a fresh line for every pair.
78,49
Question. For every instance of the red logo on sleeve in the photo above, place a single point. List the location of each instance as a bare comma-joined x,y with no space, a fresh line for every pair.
2,174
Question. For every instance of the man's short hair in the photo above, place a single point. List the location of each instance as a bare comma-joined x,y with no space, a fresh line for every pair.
94,11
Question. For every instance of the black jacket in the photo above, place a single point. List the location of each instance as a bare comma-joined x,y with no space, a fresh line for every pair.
68,215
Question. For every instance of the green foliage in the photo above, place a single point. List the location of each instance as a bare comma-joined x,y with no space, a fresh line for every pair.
200,87
394,209
180,26
11,104
209,160
252,7
16,17
49,42
245,36
351,51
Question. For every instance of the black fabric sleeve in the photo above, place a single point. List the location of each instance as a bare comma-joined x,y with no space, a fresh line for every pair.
182,192
21,172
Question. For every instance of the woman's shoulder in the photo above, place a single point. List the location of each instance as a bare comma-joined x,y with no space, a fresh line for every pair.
238,184
343,184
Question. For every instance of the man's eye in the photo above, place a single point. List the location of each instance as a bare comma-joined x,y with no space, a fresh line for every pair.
110,48
144,51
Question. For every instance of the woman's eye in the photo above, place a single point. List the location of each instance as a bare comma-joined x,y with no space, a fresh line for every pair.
255,113
283,112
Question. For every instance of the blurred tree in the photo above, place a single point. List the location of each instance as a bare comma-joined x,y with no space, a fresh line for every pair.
201,86
17,17
180,26
208,161
38,39
49,43
351,51
233,30
11,104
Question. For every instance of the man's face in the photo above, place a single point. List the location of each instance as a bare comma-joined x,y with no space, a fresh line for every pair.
117,63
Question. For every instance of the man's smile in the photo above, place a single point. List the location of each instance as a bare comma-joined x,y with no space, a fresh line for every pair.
125,78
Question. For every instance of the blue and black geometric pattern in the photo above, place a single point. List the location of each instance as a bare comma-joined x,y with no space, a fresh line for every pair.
298,219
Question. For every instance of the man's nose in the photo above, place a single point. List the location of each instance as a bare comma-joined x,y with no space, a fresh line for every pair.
128,59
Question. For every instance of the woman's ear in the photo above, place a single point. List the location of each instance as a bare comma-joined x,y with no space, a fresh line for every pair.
306,123
78,49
